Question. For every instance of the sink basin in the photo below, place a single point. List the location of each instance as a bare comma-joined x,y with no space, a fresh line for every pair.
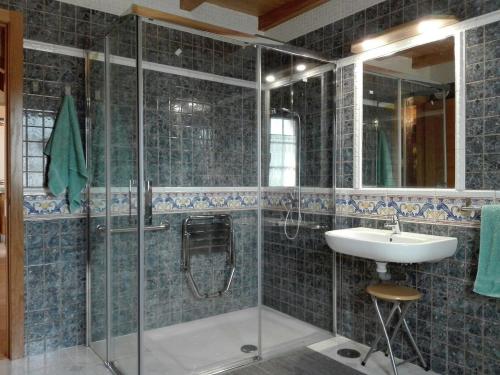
383,246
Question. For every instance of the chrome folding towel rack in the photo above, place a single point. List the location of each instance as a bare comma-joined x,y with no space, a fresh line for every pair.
208,234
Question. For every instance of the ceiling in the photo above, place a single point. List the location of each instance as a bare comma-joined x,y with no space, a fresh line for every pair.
270,12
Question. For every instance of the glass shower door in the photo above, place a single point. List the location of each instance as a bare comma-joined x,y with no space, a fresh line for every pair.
122,176
200,149
97,327
113,215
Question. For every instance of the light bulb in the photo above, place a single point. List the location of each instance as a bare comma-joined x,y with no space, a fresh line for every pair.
270,78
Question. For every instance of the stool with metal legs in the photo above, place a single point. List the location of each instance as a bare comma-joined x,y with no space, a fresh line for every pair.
401,298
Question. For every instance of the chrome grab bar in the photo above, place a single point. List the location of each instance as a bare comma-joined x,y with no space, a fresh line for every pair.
187,247
163,226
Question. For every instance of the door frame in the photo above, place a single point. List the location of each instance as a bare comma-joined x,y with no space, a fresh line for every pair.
13,21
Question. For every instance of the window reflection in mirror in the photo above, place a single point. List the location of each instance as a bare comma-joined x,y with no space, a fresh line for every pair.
409,118
283,149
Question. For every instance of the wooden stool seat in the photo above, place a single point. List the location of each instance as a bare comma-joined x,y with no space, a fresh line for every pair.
392,292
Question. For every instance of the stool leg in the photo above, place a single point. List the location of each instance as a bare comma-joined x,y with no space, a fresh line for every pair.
386,335
377,339
400,320
412,340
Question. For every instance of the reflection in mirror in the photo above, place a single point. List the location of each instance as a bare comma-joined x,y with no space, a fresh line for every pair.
409,118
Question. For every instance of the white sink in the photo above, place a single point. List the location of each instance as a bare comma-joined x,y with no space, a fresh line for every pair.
383,246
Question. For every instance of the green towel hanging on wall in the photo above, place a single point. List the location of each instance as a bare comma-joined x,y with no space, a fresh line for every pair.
67,169
488,276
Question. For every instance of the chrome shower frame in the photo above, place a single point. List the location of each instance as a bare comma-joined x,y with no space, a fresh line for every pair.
261,91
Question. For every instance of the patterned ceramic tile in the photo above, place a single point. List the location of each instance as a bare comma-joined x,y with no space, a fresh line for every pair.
45,204
313,202
419,208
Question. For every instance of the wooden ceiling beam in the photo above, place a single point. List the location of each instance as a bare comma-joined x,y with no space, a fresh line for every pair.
186,22
190,5
286,12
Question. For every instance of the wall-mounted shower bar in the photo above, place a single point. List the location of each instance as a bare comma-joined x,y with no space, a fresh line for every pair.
163,226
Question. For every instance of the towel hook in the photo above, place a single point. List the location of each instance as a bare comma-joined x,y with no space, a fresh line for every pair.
67,90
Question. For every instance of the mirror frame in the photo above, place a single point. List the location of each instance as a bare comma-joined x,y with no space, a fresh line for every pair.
457,31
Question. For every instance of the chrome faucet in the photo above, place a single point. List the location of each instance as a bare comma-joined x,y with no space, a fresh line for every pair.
394,224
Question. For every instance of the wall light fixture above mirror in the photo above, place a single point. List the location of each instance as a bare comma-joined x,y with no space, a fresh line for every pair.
421,26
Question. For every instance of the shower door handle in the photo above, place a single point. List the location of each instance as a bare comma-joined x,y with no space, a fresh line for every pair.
131,184
148,206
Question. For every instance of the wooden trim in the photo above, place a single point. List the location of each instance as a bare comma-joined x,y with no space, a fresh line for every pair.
286,12
184,21
190,5
15,210
400,32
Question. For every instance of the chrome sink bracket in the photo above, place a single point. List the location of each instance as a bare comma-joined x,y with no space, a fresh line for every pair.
209,225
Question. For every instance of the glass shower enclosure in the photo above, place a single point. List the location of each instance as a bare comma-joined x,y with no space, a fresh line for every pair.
181,242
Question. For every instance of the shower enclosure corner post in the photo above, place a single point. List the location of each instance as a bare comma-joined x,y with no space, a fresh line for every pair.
258,77
87,198
107,124
334,198
140,198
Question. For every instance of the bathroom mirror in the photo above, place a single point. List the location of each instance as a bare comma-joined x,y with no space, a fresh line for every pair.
409,118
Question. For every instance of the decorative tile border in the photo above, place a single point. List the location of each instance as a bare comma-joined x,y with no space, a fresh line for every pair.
318,202
46,204
428,208
418,208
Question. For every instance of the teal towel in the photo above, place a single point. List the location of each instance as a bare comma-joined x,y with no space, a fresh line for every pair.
67,169
384,162
488,273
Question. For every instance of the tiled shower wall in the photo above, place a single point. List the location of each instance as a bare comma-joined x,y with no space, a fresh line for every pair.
168,298
54,266
183,114
55,248
298,274
199,133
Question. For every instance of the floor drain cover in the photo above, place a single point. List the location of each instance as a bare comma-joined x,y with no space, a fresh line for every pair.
348,353
248,348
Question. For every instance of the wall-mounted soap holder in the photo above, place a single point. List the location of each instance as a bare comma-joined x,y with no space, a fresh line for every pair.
468,207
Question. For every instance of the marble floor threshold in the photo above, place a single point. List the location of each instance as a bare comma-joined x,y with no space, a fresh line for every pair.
317,359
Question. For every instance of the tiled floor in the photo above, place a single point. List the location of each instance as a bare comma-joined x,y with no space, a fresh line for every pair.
378,363
72,361
303,361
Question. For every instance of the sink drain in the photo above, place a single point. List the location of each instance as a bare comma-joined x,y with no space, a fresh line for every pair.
248,348
348,353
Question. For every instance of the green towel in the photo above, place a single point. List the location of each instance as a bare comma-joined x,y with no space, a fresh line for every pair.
384,162
488,273
67,169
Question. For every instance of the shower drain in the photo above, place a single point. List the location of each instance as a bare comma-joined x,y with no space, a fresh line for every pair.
248,348
348,353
